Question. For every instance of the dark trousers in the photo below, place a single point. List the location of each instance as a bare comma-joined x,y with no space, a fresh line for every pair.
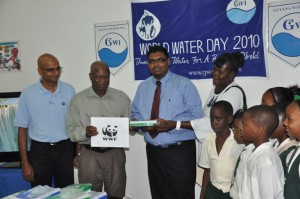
52,161
172,171
213,192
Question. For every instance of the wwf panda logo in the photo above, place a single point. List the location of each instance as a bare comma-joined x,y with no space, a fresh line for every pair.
110,130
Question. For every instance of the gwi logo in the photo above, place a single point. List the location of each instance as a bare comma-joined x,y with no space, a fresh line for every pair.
286,35
113,49
148,26
241,11
110,133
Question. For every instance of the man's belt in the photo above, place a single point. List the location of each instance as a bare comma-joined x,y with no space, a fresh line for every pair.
97,149
174,144
49,143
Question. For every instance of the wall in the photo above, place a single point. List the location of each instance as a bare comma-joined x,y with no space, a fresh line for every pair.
65,28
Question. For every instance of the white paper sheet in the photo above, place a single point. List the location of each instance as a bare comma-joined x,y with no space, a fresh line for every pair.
113,132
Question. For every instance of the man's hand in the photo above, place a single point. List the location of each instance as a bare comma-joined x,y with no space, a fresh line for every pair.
91,131
76,161
150,129
27,172
164,125
134,128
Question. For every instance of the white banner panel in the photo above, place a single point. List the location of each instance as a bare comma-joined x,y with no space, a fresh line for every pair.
112,44
284,30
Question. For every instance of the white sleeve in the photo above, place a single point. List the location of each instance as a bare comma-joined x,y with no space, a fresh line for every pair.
270,183
202,127
204,156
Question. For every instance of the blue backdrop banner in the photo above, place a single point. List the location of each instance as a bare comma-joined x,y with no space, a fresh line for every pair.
196,32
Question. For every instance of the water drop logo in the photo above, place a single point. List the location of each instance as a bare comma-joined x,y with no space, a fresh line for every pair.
148,26
241,11
286,35
113,49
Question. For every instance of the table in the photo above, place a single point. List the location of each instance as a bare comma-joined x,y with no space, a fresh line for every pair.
11,181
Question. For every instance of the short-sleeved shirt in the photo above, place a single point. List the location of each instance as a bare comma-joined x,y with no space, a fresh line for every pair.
44,113
221,165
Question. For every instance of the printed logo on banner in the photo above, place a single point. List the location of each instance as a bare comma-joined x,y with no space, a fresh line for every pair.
284,31
112,44
241,11
148,26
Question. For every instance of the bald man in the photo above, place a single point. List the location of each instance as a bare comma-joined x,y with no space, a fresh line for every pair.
41,115
97,165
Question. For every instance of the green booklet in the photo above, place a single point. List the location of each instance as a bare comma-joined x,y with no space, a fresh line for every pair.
142,123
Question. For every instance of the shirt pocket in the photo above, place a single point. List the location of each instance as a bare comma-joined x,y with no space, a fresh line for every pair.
174,103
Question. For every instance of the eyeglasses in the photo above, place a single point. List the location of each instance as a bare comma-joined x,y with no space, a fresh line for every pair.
158,61
51,70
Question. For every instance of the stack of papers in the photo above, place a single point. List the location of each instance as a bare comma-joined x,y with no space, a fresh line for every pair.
98,195
79,191
39,192
75,191
13,196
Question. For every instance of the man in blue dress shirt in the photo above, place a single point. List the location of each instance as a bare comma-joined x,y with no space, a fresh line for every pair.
42,113
171,154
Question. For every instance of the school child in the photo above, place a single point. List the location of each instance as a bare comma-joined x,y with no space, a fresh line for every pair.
292,179
277,94
218,153
240,166
265,177
285,143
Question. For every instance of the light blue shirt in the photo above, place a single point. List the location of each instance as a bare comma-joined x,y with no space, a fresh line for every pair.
44,113
179,101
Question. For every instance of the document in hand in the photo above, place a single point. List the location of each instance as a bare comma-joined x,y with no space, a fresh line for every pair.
39,192
113,132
